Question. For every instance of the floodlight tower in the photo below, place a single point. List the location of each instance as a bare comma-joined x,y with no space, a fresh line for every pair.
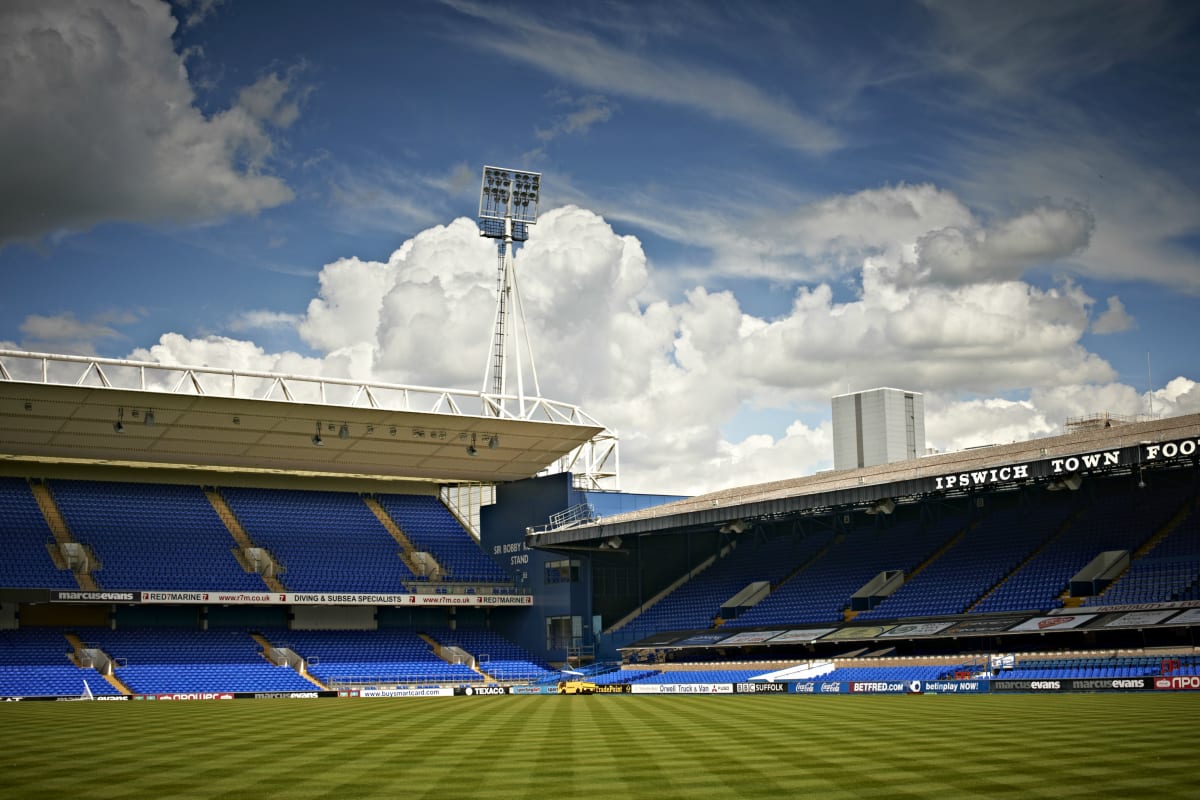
508,205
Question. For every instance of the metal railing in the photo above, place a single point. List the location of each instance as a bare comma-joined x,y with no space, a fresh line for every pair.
114,373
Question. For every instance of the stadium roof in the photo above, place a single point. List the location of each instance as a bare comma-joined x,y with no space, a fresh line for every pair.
872,488
64,409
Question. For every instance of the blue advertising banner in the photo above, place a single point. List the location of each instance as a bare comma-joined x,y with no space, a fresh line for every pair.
955,687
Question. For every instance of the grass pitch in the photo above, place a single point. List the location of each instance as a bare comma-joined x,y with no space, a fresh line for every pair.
607,746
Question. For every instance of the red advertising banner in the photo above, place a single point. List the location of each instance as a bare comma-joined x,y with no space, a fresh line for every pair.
331,599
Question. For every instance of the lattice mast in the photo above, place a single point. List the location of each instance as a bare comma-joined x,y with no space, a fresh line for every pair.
508,205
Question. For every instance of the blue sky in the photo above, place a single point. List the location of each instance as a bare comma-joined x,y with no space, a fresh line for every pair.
747,207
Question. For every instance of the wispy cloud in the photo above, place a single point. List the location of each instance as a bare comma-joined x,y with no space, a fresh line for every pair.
263,319
1031,46
66,333
194,12
584,112
587,61
386,197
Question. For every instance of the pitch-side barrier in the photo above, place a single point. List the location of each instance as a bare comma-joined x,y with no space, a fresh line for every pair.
999,685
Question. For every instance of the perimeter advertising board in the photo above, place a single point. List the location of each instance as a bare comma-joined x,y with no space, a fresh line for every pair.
983,625
398,692
612,688
857,633
801,635
818,687
290,598
482,691
1072,685
1111,684
683,688
884,687
1040,687
284,695
750,637
1136,619
95,597
955,687
701,640
1189,617
918,629
760,688
1056,623
43,698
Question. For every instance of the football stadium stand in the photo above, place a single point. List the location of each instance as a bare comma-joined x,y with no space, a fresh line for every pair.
1116,520
911,574
324,541
431,528
27,541
1013,555
1170,571
495,656
338,658
165,661
35,662
821,592
988,550
152,537
697,603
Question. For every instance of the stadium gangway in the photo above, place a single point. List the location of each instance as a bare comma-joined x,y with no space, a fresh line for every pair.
582,514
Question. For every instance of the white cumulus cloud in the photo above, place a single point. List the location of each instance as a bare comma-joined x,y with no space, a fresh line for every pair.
999,361
956,256
1113,319
100,124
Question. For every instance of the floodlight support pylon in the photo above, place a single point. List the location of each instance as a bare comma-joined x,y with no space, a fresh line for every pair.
500,195
537,387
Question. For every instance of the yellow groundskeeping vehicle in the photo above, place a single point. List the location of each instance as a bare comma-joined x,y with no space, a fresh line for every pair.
576,687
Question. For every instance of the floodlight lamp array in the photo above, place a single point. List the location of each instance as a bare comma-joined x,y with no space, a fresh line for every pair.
509,193
494,229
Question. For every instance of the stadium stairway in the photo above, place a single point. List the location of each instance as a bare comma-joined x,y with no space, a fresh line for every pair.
816,557
847,614
941,551
1028,558
62,534
406,546
267,647
240,536
439,650
77,646
650,603
1154,540
1174,522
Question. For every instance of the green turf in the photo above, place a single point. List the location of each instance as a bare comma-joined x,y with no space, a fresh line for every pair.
607,746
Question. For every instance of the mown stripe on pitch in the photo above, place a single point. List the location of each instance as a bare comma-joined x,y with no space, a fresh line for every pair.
1024,745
